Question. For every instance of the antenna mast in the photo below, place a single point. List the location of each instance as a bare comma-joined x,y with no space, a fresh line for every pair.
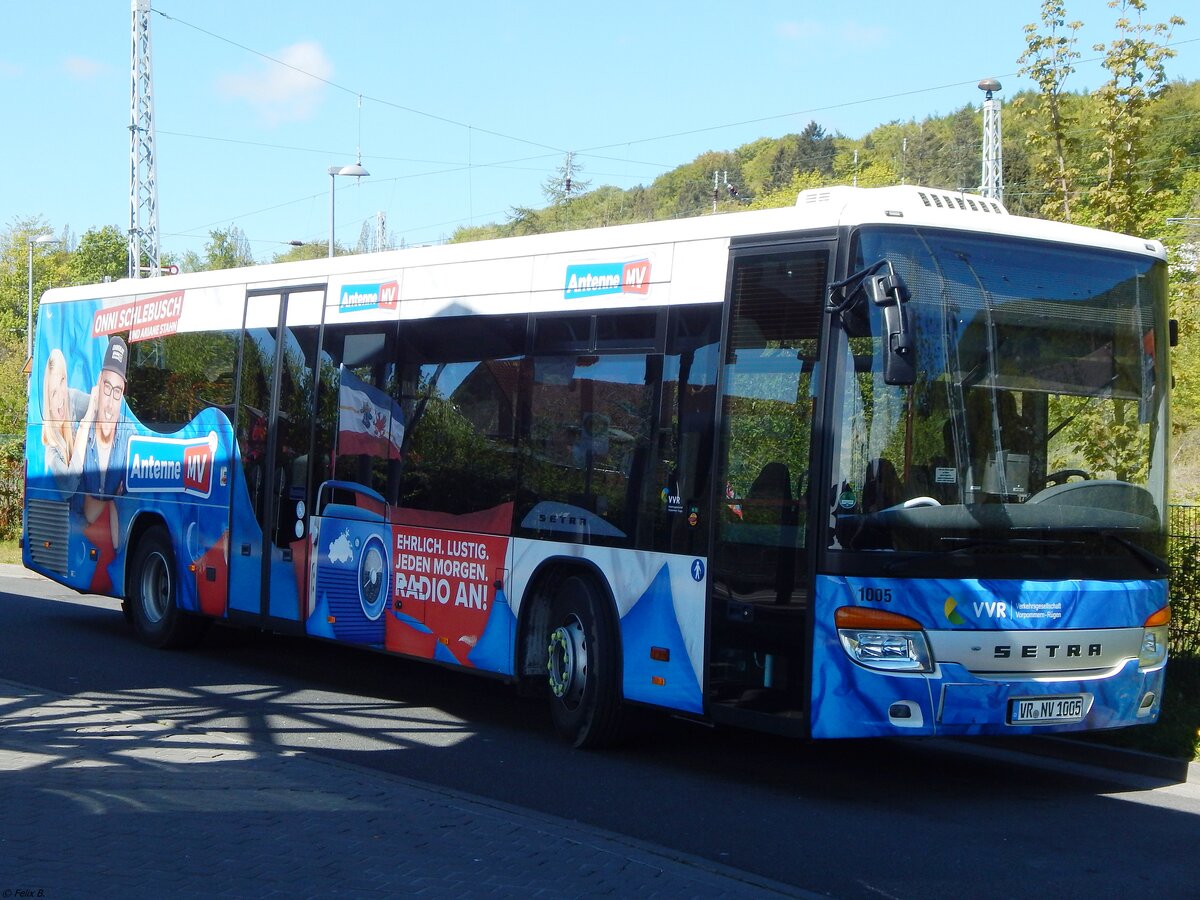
143,182
993,162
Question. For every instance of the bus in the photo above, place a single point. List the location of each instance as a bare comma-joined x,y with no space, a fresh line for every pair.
888,462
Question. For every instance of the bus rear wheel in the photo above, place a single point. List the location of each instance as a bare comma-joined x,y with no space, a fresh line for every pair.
581,664
152,595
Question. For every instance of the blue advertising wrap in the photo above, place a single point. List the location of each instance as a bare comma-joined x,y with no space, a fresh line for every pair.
183,477
852,700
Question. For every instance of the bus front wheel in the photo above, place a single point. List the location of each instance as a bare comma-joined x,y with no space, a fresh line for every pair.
581,664
152,595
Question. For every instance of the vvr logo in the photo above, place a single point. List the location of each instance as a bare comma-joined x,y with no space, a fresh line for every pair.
994,609
171,465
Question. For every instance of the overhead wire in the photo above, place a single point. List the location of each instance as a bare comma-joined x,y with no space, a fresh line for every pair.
590,152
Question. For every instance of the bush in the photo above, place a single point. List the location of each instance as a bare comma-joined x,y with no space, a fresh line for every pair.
1177,732
12,473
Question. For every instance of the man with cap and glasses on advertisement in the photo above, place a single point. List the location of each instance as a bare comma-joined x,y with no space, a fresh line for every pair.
104,460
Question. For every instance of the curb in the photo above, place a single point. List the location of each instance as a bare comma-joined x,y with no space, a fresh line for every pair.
16,570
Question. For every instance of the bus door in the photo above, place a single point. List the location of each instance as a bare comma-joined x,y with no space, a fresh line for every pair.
759,563
269,559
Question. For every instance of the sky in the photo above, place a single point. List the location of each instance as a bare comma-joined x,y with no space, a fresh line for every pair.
462,110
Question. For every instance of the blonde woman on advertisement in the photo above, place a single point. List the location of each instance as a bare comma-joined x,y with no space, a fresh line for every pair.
63,441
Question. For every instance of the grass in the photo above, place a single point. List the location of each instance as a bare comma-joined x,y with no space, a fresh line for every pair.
10,552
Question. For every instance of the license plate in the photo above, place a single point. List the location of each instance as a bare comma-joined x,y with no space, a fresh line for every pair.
1034,710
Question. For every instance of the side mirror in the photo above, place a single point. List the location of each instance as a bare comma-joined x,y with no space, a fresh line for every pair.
888,291
1173,332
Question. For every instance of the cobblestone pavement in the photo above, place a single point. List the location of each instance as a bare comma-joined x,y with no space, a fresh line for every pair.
101,802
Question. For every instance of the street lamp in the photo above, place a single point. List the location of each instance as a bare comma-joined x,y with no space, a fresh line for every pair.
40,239
355,170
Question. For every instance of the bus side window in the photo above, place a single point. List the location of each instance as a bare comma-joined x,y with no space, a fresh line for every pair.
170,379
359,425
770,381
674,500
458,388
588,432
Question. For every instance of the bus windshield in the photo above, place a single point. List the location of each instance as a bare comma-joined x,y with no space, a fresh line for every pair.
1036,420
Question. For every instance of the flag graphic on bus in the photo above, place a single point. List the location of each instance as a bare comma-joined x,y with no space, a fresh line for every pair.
369,421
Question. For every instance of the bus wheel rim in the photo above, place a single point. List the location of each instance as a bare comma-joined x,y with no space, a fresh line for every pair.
156,588
567,662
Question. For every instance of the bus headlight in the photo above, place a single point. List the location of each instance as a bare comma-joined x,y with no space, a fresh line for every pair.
1154,639
882,640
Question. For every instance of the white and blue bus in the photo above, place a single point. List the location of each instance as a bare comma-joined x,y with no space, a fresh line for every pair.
887,462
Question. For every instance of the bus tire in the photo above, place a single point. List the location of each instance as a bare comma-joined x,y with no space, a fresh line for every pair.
152,595
581,664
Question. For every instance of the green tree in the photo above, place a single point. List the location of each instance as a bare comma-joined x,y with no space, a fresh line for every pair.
521,220
769,163
226,248
1181,241
1125,197
687,190
816,149
562,190
49,263
566,182
102,253
786,194
1128,192
1049,59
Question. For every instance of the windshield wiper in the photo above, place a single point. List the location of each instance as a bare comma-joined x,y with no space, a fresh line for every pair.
1152,561
965,544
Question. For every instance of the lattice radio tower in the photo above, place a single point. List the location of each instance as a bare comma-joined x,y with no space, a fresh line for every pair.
143,181
993,161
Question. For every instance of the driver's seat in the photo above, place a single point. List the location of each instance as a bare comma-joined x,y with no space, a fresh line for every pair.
881,485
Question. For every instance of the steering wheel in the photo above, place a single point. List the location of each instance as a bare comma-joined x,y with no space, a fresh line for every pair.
920,501
1062,475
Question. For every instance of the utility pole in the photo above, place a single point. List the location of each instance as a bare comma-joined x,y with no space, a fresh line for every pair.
993,169
143,182
380,231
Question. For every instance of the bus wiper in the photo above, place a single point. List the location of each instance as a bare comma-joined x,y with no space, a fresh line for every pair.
965,544
1155,564
1152,562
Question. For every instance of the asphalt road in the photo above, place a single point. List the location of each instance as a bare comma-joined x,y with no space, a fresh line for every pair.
850,819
